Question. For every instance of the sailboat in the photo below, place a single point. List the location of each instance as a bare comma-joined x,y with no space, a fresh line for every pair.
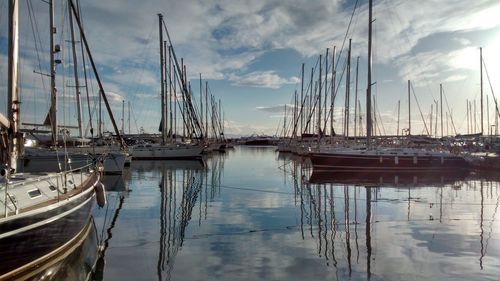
76,152
400,159
169,150
41,213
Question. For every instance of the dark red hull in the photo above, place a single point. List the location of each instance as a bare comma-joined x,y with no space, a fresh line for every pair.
338,161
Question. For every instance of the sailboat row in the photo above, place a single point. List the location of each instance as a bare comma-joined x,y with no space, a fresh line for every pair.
43,212
351,151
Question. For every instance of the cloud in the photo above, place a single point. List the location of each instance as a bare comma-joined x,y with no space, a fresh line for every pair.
263,79
223,38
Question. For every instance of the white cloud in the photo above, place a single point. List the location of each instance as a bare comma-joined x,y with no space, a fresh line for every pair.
263,79
224,37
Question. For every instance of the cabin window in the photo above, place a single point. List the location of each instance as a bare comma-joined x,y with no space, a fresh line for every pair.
34,193
52,188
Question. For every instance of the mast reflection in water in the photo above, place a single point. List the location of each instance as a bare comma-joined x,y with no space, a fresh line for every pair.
254,214
443,231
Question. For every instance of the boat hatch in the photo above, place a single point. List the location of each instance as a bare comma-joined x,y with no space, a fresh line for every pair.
34,193
52,188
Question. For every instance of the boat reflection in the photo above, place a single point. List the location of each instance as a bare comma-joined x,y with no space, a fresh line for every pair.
116,183
184,189
347,214
388,178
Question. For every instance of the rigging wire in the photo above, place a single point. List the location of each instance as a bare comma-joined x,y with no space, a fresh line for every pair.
419,109
450,113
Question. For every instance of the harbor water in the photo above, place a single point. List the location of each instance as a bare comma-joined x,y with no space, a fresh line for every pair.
255,214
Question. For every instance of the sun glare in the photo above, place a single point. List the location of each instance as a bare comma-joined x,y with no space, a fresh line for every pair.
491,57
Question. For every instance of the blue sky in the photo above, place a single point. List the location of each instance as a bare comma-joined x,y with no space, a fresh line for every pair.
251,53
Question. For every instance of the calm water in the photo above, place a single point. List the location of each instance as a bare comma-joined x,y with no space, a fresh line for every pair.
252,214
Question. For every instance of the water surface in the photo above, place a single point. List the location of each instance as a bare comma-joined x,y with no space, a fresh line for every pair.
253,214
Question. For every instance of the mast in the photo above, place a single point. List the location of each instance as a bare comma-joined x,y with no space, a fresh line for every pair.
399,107
332,98
441,105
468,128
369,81
123,116
356,98
53,98
206,108
100,115
166,82
284,124
326,89
162,78
481,78
201,105
409,109
432,109
310,117
75,71
94,68
302,100
15,140
294,132
319,98
171,98
347,91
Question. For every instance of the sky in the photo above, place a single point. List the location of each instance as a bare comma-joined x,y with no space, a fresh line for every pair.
251,53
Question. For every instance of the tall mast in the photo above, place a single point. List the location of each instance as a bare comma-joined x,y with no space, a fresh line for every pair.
123,116
99,82
294,134
441,105
201,105
53,98
302,100
432,109
319,97
284,124
171,94
13,108
326,88
481,77
356,98
468,127
206,108
409,109
162,78
369,79
332,97
310,115
75,71
399,109
347,91
166,82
